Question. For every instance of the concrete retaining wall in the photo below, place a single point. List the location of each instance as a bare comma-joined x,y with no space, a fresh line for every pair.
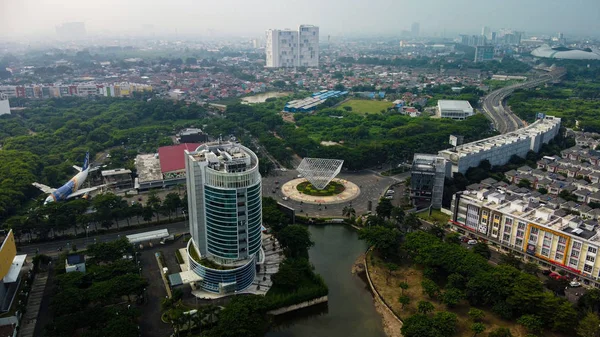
298,306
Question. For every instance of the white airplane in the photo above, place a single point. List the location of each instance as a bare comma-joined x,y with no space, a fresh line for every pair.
71,188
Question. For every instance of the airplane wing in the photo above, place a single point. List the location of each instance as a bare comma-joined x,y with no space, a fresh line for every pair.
44,188
78,168
85,190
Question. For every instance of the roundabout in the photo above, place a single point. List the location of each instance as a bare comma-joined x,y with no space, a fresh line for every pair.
339,191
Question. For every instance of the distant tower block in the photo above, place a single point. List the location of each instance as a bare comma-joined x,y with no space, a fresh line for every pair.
319,172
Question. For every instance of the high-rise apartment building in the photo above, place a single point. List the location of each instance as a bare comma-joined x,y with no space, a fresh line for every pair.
293,48
484,53
225,215
487,32
308,46
414,29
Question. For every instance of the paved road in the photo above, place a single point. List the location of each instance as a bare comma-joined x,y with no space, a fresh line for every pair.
371,183
495,108
51,248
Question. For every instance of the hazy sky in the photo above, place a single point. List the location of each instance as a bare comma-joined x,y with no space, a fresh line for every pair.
252,17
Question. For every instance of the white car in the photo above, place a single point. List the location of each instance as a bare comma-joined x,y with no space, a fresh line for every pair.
472,242
389,197
574,284
390,192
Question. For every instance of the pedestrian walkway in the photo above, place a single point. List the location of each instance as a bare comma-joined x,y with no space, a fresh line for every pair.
33,305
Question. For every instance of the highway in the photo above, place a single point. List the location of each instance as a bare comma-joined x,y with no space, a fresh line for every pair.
51,247
494,104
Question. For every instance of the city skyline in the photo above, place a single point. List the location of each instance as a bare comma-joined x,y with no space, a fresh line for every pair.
26,18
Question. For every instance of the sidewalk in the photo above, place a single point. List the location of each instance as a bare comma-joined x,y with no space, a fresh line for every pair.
29,320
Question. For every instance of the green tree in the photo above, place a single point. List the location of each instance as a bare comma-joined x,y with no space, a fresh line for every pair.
403,286
425,307
532,323
412,222
589,326
348,211
451,297
500,332
430,288
511,260
476,314
590,301
456,281
453,238
419,326
384,208
404,300
295,240
482,249
563,317
531,268
445,322
542,190
155,204
385,240
390,268
524,183
477,328
243,316
172,203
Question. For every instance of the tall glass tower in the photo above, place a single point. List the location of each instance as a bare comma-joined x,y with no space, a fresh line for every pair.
225,214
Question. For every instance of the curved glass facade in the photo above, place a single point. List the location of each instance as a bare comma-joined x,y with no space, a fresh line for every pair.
225,214
223,281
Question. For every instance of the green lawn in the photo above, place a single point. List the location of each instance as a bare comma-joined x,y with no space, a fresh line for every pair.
436,215
363,106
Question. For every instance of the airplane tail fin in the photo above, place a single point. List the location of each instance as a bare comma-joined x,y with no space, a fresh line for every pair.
86,162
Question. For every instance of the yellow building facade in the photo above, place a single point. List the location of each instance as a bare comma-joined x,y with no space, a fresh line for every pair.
8,251
533,229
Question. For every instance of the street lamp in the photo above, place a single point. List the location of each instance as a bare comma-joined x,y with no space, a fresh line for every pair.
87,229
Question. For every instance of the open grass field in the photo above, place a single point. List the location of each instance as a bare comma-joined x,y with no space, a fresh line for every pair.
364,106
391,291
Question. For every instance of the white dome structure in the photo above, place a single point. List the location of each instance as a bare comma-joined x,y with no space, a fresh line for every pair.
563,53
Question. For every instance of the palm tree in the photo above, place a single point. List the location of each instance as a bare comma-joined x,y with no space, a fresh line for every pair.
348,211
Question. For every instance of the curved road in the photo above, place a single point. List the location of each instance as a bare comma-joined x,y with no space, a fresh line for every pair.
494,103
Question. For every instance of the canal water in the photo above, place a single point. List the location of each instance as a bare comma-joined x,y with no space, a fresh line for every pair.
261,98
350,311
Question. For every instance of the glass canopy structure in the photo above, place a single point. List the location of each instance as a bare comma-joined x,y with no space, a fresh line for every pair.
318,171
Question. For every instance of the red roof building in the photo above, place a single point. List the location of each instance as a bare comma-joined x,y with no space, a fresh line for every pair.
172,159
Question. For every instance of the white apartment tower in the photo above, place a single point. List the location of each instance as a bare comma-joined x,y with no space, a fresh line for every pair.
288,48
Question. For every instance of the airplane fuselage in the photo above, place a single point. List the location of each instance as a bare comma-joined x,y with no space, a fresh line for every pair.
69,188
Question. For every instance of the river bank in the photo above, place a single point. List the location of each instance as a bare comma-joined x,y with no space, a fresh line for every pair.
349,311
392,325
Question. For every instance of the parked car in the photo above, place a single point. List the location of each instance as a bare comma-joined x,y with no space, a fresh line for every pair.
472,242
464,239
546,272
574,284
390,192
389,197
